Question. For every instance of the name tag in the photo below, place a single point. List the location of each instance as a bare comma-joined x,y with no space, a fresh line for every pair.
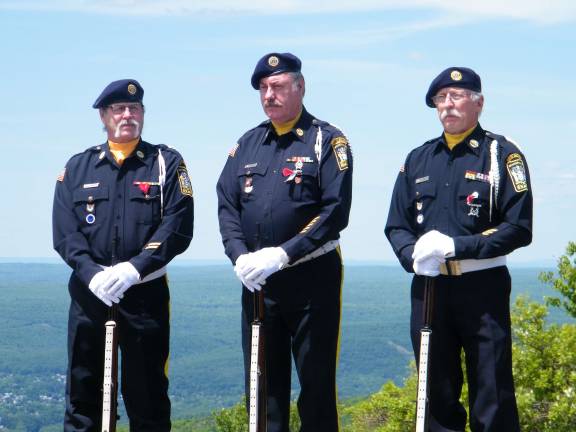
422,179
91,185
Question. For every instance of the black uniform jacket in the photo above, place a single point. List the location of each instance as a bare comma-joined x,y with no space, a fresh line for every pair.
449,191
102,209
273,190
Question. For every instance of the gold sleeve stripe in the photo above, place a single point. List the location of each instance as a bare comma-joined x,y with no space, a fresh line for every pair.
153,245
310,224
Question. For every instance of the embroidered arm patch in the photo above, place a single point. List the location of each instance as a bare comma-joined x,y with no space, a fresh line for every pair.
184,180
515,167
340,147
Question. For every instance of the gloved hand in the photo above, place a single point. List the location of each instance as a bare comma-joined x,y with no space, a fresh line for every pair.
433,243
242,267
263,263
429,266
123,276
98,281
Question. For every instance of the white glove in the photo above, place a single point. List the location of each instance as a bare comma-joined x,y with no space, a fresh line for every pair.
243,266
433,243
263,263
98,281
429,266
123,276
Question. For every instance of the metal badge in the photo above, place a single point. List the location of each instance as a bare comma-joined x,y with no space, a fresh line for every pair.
474,209
132,89
101,155
419,205
420,218
90,219
456,75
473,143
90,208
248,188
140,154
299,132
273,61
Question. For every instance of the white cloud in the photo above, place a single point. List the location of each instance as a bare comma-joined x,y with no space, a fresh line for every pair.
539,11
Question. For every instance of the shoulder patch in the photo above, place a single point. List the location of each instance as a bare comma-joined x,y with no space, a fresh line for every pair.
517,172
340,147
60,176
184,179
232,151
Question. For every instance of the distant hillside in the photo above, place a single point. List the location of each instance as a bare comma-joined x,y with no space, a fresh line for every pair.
206,359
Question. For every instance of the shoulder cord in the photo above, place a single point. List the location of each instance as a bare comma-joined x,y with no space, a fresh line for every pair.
494,176
318,150
161,180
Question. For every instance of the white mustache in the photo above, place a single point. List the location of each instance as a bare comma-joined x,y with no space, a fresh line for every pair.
450,112
126,122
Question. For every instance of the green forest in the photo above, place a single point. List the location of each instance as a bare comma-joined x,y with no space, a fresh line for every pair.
544,356
32,354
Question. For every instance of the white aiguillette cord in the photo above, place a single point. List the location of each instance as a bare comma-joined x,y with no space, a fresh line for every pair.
494,176
161,180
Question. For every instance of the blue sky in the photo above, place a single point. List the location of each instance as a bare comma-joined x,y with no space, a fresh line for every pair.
367,66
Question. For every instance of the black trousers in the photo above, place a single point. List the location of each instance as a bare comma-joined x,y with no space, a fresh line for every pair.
471,312
144,332
302,318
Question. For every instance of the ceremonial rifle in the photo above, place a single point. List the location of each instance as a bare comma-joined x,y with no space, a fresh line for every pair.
422,413
110,382
257,406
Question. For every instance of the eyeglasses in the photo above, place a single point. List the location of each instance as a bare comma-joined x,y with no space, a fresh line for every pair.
454,96
121,108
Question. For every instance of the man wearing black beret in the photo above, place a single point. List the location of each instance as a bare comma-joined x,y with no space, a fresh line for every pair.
461,203
122,210
284,195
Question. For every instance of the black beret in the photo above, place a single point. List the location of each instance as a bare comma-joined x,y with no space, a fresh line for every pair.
125,90
454,77
273,64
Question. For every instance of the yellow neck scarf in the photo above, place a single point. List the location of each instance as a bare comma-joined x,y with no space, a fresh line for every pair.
453,140
121,151
284,128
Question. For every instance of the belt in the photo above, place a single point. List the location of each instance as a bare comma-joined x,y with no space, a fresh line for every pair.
458,267
324,249
154,275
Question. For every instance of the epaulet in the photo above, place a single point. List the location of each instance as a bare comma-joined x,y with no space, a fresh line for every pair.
95,148
264,124
503,140
430,141
328,125
164,147
89,150
318,122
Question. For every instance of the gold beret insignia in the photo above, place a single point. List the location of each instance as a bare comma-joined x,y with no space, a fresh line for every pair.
456,75
273,61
